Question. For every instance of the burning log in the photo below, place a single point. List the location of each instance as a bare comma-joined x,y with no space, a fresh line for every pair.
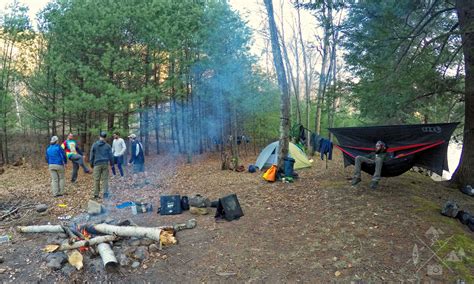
129,231
41,229
107,255
91,242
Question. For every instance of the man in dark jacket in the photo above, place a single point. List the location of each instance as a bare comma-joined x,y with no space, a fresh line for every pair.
101,156
56,159
377,158
137,157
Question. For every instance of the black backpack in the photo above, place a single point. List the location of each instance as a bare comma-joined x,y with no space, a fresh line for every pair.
229,208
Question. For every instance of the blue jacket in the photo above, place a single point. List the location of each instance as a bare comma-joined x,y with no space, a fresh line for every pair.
134,158
325,148
55,155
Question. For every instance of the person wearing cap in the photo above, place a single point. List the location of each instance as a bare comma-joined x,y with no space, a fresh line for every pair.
377,158
101,157
118,150
137,156
74,154
56,159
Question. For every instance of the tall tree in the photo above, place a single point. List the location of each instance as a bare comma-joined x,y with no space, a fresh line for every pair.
14,27
463,174
282,83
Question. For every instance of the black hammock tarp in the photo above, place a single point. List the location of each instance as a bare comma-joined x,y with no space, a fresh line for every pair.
422,145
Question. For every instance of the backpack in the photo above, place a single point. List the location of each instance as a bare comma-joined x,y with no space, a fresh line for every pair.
170,205
229,208
450,209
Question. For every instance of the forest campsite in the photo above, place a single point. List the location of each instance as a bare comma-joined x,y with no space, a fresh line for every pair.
242,141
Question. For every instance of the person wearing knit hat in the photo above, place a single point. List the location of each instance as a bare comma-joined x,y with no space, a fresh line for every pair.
101,156
56,159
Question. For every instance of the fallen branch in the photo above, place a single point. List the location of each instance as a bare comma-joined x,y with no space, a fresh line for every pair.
107,255
129,231
41,229
68,231
9,213
84,243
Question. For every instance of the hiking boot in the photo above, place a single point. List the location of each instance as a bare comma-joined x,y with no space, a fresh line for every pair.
374,184
355,181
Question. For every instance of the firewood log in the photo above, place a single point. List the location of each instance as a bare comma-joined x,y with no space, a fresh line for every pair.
107,255
91,242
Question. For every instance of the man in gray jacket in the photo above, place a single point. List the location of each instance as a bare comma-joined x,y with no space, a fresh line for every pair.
101,156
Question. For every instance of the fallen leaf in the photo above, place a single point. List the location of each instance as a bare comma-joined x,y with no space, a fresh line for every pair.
75,259
50,248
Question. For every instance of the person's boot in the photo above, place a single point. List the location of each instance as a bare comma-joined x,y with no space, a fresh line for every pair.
374,184
355,181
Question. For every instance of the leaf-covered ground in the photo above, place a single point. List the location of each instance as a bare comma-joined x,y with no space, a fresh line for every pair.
317,229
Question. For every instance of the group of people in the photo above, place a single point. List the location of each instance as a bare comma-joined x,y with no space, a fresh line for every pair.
101,156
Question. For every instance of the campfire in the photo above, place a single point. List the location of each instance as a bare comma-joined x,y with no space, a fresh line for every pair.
100,238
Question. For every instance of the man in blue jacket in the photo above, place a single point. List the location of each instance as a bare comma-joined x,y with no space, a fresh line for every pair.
101,157
56,159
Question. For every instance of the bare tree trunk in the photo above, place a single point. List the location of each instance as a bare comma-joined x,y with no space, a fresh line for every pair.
307,85
463,174
322,76
283,83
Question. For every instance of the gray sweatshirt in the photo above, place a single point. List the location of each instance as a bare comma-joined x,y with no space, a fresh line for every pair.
101,153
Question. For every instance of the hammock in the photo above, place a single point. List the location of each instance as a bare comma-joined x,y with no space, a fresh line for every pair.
422,145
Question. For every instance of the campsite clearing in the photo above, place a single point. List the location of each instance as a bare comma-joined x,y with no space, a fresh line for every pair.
318,228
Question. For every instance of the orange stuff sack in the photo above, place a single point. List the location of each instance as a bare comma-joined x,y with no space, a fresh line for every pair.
270,174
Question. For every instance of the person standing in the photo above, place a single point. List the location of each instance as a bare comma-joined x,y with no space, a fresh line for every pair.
118,150
74,154
101,156
56,159
137,157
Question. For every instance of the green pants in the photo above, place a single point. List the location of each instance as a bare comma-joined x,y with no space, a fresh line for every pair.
101,173
378,166
57,179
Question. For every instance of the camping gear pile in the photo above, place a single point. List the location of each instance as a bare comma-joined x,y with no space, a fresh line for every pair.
451,209
227,207
268,159
269,156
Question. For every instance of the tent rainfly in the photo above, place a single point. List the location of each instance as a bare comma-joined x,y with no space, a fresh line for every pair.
269,156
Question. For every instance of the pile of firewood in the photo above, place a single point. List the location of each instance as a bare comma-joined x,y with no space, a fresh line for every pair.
101,237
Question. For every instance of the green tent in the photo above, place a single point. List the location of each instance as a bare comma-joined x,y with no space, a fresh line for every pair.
269,156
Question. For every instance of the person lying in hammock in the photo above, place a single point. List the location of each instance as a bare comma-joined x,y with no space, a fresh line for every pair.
377,158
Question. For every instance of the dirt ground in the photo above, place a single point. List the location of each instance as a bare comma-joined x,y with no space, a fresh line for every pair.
317,229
